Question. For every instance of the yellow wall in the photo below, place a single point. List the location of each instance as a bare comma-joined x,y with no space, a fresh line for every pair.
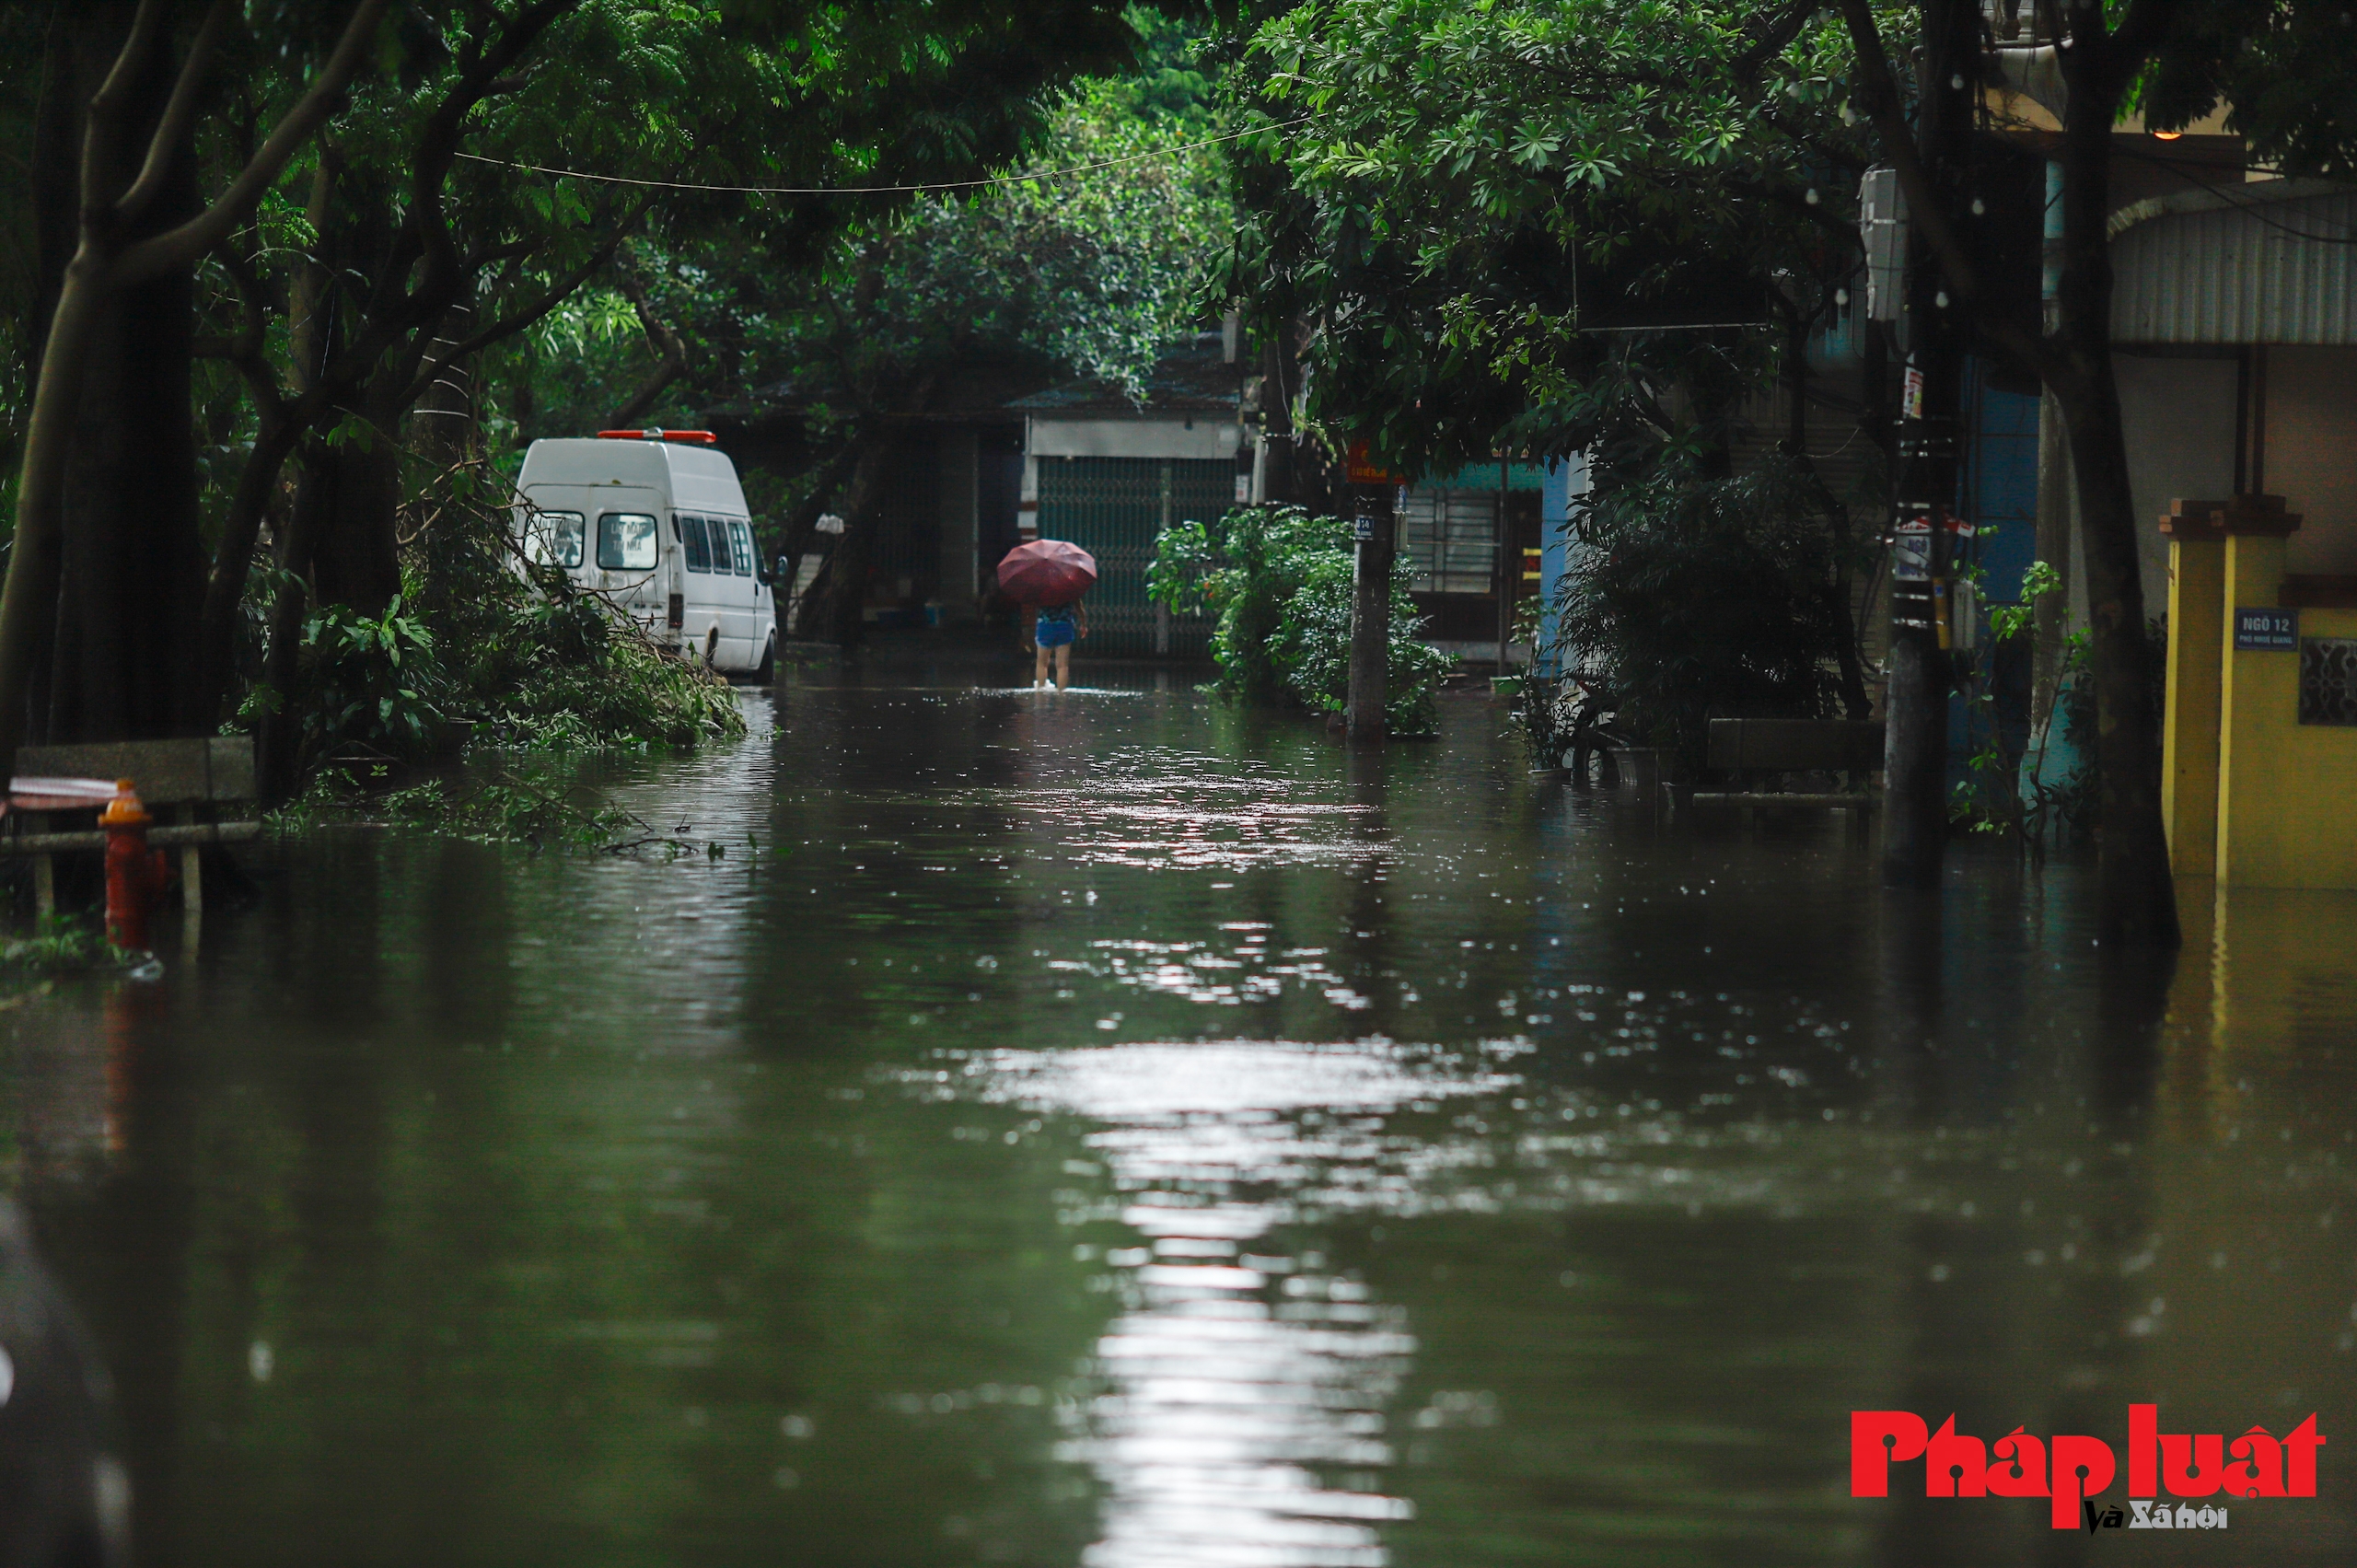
2189,724
2285,791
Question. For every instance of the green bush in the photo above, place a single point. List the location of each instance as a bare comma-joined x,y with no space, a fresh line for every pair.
535,662
375,681
1279,583
1693,598
480,643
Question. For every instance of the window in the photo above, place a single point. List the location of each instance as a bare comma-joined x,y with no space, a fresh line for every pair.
553,539
692,536
723,559
626,541
743,536
1450,538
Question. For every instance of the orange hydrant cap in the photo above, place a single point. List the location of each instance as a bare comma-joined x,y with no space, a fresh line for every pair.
124,809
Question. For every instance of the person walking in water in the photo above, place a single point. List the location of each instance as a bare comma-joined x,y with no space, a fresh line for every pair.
1058,627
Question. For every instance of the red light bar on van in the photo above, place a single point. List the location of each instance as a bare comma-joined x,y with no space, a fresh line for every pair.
700,437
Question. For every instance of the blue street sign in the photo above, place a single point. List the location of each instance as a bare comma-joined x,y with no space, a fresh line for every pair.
2267,631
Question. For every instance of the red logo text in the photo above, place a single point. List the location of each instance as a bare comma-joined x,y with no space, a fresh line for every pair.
2066,1467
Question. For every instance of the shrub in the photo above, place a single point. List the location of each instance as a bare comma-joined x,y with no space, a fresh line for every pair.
375,682
1693,598
1281,583
477,635
536,662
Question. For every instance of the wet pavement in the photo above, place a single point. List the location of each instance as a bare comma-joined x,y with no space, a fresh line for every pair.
1112,1129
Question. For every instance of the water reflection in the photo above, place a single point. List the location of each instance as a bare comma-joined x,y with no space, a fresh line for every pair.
1243,1413
1139,1131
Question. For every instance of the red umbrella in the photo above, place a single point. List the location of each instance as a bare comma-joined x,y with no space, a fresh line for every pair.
1047,572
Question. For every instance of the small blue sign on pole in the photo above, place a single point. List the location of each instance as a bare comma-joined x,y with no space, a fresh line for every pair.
2267,631
1362,527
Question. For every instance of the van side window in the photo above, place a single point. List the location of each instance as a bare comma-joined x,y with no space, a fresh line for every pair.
626,541
743,538
553,539
692,535
723,554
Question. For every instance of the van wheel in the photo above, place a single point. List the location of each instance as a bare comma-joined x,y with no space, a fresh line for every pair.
766,671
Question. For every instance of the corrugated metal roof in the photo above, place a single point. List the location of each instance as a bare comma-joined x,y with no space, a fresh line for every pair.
1192,378
2274,261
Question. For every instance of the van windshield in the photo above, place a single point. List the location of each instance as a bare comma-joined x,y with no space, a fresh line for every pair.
553,539
626,541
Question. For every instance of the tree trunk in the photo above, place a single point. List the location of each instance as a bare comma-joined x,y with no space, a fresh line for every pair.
225,591
671,354
56,211
800,529
285,425
847,568
56,169
2136,897
133,566
1915,700
278,738
355,542
117,249
443,429
1280,378
114,666
2053,632
1370,665
1854,702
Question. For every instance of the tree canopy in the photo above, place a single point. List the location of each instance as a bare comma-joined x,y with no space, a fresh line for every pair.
1473,202
1084,260
384,193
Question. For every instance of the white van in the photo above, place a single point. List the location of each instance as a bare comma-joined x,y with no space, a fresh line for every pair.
655,521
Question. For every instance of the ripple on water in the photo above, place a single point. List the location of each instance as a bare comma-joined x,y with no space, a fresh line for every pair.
1240,1373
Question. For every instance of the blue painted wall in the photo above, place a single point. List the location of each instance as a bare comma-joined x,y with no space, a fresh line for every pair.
1997,492
1998,488
1562,478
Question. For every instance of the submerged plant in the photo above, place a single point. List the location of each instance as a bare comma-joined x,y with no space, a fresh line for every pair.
534,661
2013,788
1693,598
1280,582
375,681
481,643
59,944
504,798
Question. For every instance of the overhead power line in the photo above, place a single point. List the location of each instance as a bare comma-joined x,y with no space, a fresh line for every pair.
878,190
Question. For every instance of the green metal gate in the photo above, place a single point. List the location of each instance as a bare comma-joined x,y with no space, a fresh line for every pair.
1113,507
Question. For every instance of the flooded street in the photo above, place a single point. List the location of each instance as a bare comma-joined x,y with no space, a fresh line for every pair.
1112,1129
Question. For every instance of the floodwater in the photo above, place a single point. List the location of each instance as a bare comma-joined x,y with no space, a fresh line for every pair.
1110,1129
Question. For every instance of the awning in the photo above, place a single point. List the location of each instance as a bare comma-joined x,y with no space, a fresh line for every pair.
2270,262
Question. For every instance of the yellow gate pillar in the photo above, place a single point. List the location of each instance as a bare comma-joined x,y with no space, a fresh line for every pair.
2260,838
2197,537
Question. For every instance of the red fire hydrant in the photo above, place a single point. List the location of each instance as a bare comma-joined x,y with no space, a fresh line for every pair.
134,873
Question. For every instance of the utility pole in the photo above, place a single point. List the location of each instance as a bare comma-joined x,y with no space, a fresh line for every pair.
1276,420
1915,703
1372,527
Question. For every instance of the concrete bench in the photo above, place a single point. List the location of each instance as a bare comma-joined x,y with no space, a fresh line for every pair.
187,786
1748,748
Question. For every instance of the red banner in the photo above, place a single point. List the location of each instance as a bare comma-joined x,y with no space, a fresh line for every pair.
1364,470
